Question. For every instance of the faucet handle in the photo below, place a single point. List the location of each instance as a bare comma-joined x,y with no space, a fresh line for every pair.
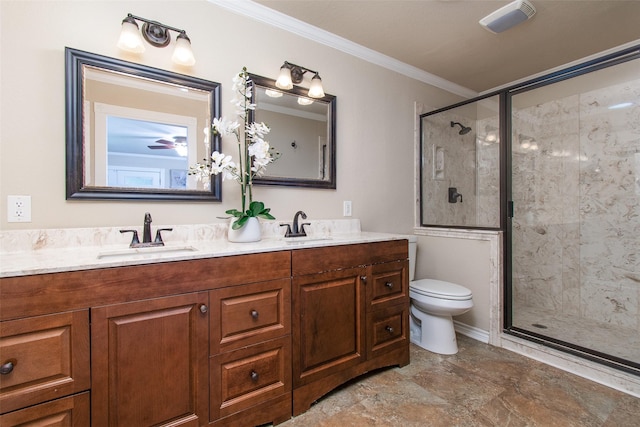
288,233
303,232
158,239
135,240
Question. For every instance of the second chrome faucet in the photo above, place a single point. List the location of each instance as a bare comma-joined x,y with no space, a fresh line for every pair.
295,230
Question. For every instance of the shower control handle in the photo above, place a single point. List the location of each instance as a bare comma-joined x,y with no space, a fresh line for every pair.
454,195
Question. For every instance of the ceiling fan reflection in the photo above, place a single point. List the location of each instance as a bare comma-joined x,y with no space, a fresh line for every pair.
179,144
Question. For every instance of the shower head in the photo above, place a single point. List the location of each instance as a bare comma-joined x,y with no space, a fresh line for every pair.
463,129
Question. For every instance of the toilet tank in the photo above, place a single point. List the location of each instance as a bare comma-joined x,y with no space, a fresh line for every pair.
413,250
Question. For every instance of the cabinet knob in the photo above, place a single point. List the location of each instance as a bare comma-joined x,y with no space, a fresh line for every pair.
363,278
254,314
7,367
254,376
204,308
389,285
389,329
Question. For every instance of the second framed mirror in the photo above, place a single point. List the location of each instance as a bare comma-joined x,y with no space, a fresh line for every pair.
303,130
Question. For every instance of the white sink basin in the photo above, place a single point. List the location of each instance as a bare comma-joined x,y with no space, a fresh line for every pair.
152,251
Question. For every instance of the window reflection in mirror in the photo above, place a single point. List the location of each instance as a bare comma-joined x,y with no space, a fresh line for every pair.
302,131
133,131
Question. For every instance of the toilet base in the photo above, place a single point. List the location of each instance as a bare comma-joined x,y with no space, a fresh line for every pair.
433,333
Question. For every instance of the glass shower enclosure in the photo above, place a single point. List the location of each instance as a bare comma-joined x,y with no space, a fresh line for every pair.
554,163
575,231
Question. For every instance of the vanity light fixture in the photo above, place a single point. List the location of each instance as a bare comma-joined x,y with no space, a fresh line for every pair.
292,73
156,34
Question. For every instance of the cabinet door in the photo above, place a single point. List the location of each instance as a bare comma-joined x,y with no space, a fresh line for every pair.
328,323
149,362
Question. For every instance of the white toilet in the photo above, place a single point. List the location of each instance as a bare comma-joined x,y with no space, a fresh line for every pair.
433,303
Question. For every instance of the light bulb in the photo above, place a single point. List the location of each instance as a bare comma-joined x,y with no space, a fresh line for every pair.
182,54
316,90
130,38
284,78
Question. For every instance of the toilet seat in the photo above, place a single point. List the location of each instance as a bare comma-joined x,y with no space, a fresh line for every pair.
440,289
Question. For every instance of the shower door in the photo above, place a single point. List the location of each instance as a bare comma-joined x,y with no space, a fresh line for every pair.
575,230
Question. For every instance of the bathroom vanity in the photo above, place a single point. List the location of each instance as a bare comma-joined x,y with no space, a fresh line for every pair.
214,337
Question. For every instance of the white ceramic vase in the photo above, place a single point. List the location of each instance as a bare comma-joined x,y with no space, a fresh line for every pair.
251,231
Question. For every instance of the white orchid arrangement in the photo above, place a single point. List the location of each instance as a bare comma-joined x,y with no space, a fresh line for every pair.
254,153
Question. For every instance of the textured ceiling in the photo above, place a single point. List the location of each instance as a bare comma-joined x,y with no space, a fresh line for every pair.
444,38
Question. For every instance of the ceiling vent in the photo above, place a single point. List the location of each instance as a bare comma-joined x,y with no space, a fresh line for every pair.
508,16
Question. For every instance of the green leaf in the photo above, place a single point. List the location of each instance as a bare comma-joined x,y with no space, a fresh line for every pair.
266,215
234,212
256,208
237,224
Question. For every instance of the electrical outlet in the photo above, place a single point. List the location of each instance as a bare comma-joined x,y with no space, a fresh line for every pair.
346,208
18,208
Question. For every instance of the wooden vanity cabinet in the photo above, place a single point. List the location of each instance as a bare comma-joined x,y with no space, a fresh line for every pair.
350,308
149,362
240,340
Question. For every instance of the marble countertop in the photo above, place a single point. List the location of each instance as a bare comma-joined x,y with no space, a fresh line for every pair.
51,251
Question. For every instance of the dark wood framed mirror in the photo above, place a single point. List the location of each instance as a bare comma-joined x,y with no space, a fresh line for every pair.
303,131
132,130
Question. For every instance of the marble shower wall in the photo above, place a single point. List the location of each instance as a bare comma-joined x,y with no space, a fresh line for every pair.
576,181
470,163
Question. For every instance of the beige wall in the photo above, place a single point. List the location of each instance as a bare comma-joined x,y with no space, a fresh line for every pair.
374,119
375,122
466,262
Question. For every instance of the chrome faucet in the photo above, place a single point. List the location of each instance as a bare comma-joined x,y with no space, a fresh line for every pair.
297,231
146,230
146,235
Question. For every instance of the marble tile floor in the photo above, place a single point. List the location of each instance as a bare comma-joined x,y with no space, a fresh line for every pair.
618,341
480,386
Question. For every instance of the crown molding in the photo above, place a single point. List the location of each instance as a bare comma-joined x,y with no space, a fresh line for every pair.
277,19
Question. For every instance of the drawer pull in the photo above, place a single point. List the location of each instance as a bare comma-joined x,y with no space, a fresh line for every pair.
204,308
7,367
254,314
363,278
389,329
254,376
389,285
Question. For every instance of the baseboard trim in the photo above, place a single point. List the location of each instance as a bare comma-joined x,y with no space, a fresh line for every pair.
471,331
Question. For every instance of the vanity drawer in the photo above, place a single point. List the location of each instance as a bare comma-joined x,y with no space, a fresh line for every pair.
244,378
71,411
248,314
389,284
388,329
43,358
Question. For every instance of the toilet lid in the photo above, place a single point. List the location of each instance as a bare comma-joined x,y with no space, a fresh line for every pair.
440,289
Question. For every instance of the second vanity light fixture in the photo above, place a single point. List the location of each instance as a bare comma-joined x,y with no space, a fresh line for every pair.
156,34
292,73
